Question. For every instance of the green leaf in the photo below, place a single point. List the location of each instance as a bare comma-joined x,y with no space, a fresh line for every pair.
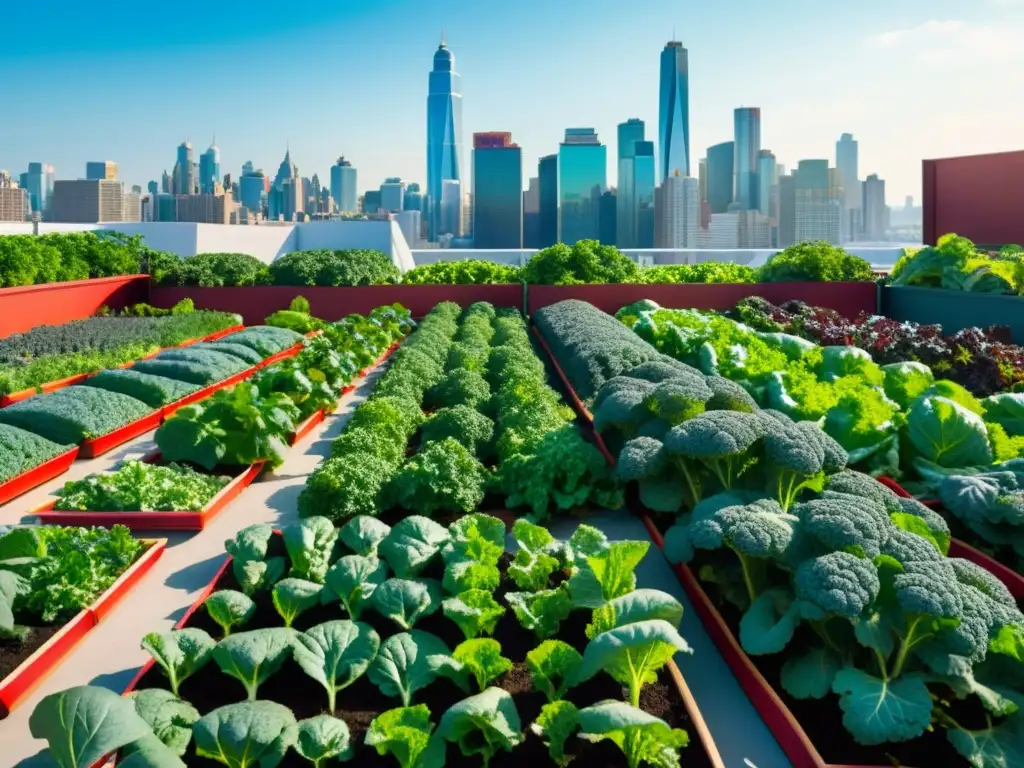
768,624
1008,641
475,611
323,738
998,746
642,737
336,654
406,601
406,734
464,575
487,527
876,711
354,579
229,608
180,653
541,611
482,658
482,724
607,575
170,718
363,534
148,752
534,562
556,722
915,524
412,544
410,661
875,632
553,665
251,734
293,597
252,657
809,675
85,723
638,605
310,544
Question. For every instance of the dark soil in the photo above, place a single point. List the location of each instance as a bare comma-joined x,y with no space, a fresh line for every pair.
14,652
822,719
358,704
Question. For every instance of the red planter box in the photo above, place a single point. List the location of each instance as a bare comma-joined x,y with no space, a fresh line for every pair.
24,307
36,476
97,446
255,303
223,332
302,430
1012,580
849,299
17,685
154,521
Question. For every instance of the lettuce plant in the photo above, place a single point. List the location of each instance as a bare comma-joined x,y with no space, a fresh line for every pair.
406,601
407,734
180,653
536,556
443,476
410,661
471,555
553,666
310,545
363,534
483,724
412,544
475,611
254,570
643,738
542,611
322,739
251,734
252,657
608,574
336,654
229,608
638,605
295,596
557,721
482,658
170,718
354,579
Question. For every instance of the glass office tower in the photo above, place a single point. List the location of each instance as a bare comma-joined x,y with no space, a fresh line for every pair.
720,176
547,181
497,191
582,178
630,132
444,138
674,111
747,123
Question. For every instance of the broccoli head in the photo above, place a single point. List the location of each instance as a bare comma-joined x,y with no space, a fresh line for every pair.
930,589
796,456
465,424
662,369
656,428
727,395
907,547
722,441
848,523
853,483
935,523
678,399
838,583
640,458
621,404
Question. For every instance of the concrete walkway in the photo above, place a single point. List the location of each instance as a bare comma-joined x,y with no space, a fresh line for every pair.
110,654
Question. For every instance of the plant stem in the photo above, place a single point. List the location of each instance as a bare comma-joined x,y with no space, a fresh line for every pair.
906,644
692,483
748,578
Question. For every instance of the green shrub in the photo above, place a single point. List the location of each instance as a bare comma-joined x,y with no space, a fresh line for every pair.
74,414
463,272
585,262
216,270
334,268
154,391
813,262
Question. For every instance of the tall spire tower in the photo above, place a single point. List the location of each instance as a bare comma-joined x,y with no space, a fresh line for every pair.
444,145
674,111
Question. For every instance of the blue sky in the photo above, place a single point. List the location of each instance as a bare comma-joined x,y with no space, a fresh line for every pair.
910,79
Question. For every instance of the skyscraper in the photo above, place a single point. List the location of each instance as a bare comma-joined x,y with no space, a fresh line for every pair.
876,213
497,191
392,195
765,181
184,170
38,184
643,191
209,168
343,186
103,169
582,178
720,176
846,163
284,200
531,214
630,132
677,212
818,212
547,216
444,138
747,127
251,188
674,111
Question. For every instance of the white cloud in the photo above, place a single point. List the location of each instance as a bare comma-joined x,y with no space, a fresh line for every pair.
952,40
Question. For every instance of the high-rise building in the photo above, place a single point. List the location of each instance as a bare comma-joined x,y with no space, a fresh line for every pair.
12,199
720,176
414,199
643,191
132,205
392,195
847,163
766,178
409,223
674,111
251,189
582,179
453,209
444,140
37,183
184,170
677,212
165,183
284,200
747,140
702,179
209,169
531,214
343,186
205,208
497,191
818,211
630,133
371,201
786,230
547,216
607,217
84,201
153,188
876,213
103,169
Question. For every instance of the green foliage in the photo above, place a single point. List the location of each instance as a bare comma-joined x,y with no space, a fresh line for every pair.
334,268
154,391
58,257
482,658
954,263
587,261
21,451
229,609
405,733
553,667
462,423
462,272
215,270
702,272
138,486
444,476
815,261
483,724
336,654
69,416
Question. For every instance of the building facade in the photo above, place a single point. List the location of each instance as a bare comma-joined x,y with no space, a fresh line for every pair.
677,212
674,111
582,179
37,183
13,199
629,134
343,186
847,162
444,143
392,195
531,214
85,201
205,208
818,211
185,182
747,148
876,212
547,216
101,170
497,191
766,181
209,169
644,172
720,176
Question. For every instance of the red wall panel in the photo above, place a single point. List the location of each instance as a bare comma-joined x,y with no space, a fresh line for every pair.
254,303
974,196
849,299
25,307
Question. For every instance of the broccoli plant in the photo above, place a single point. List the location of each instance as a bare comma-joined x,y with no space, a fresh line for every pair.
798,456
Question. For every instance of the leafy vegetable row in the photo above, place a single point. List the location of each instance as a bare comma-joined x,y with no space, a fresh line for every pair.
632,635
955,264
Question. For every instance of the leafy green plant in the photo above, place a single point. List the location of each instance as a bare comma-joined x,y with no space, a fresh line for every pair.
587,261
354,579
293,597
557,721
332,268
482,658
444,476
336,654
252,657
541,611
141,486
323,738
608,574
411,544
72,415
406,733
406,601
643,738
553,667
229,609
362,534
537,556
251,733
170,718
482,724
180,653
214,270
475,611
462,272
638,605
815,261
310,545
410,661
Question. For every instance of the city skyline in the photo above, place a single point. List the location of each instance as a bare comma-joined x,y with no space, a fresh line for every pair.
894,90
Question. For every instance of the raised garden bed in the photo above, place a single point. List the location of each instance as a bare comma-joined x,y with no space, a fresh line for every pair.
97,446
40,653
363,700
36,476
241,478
